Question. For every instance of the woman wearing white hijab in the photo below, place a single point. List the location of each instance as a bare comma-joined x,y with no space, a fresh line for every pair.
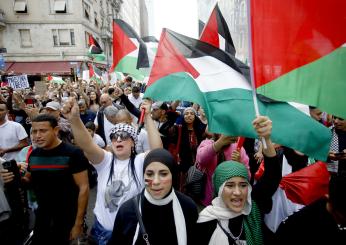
235,216
169,217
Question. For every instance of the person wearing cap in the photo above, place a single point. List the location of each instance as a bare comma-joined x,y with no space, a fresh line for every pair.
169,217
236,214
53,108
119,172
165,120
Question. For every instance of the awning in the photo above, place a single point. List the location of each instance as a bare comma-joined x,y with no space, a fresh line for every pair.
42,68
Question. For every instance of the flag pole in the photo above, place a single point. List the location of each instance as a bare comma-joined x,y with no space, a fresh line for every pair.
252,75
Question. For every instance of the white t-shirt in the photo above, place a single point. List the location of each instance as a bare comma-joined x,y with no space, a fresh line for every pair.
143,142
11,133
134,101
122,187
107,127
98,140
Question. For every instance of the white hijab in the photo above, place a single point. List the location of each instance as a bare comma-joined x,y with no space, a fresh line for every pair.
219,211
179,219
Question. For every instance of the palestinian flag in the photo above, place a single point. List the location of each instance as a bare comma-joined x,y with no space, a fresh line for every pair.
147,54
126,47
297,190
188,69
95,51
57,80
95,73
299,52
216,32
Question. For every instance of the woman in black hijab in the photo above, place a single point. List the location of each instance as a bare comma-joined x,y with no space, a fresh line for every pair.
168,216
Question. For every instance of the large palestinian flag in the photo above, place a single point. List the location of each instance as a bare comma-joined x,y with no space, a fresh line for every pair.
299,52
216,32
95,51
188,69
126,48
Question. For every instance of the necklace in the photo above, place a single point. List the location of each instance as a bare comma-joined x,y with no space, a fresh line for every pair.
230,234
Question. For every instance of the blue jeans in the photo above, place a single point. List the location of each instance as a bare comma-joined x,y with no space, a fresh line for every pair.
100,235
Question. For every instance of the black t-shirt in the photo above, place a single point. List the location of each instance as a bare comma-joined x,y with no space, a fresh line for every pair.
311,225
52,178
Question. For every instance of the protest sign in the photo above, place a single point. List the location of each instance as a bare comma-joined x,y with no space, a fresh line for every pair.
18,82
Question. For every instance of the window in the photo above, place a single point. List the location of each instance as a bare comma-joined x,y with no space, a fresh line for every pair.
25,38
86,10
95,19
59,7
63,37
20,6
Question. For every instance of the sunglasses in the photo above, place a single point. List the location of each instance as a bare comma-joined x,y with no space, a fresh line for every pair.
122,135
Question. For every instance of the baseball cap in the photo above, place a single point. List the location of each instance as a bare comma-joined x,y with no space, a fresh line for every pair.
159,105
53,105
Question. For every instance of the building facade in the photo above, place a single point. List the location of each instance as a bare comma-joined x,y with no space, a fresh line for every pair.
235,14
54,33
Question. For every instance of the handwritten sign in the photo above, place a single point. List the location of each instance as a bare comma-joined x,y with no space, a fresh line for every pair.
18,82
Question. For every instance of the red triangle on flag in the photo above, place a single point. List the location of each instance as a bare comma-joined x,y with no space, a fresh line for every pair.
210,33
122,45
169,60
91,71
91,40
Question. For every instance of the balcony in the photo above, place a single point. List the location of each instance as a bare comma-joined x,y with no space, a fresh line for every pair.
2,19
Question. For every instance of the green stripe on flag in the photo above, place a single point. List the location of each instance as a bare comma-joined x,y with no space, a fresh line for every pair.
321,83
231,112
128,65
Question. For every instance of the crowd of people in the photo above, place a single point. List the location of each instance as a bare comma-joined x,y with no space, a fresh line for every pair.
55,145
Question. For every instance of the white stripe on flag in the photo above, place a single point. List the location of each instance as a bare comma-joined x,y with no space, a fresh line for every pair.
282,208
222,43
215,75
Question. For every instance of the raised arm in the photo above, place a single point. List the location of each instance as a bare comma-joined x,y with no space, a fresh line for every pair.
270,180
81,135
153,134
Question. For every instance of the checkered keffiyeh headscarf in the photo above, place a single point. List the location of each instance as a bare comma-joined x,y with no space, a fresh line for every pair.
123,127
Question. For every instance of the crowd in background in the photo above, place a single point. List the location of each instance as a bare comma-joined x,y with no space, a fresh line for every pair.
79,134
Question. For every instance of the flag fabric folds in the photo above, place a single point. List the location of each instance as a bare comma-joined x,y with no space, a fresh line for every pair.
95,73
297,190
188,69
216,32
127,46
299,52
95,51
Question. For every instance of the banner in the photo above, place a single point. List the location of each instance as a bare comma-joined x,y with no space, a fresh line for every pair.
18,82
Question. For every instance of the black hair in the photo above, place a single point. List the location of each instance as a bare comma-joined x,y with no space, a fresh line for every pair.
46,118
337,187
132,168
135,89
312,107
128,79
91,126
111,91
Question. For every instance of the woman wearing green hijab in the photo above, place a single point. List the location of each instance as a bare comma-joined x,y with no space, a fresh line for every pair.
236,214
